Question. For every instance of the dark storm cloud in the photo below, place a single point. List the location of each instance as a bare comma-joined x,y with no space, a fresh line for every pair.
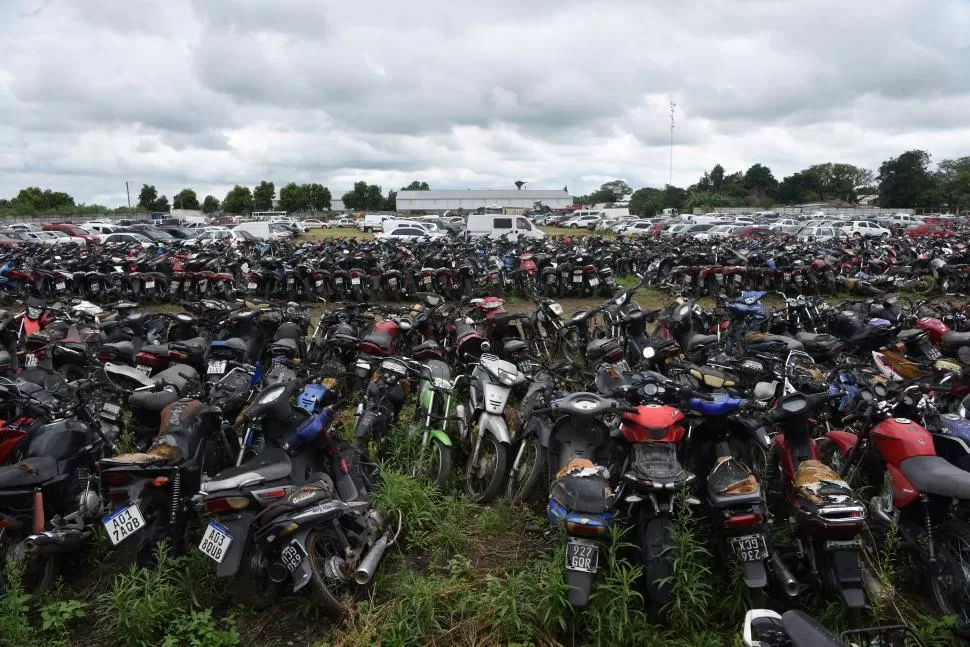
209,93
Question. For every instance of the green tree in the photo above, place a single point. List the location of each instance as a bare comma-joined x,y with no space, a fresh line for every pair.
318,197
364,197
416,186
210,204
905,181
293,197
706,200
161,204
147,196
390,204
953,183
238,200
717,178
263,196
612,191
760,178
647,201
186,199
674,196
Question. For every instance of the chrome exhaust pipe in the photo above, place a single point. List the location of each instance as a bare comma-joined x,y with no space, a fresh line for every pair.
368,565
784,575
53,541
878,512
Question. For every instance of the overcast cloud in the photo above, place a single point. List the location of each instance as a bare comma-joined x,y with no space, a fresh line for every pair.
210,93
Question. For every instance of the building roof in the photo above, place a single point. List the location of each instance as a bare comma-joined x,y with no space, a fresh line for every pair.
485,194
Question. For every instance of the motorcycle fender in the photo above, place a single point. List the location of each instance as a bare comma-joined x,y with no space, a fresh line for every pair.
757,431
848,573
495,425
580,585
755,575
442,437
495,398
238,526
301,574
844,440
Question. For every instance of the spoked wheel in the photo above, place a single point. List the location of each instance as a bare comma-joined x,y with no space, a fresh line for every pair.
485,476
322,546
37,572
524,479
951,583
922,285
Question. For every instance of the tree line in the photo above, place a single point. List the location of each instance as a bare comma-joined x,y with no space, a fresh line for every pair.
901,182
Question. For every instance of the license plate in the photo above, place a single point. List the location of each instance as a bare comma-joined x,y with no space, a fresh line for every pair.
582,555
787,276
578,278
737,278
95,287
188,285
60,285
292,556
173,286
594,281
251,285
798,278
392,282
215,541
110,411
719,278
30,360
688,278
355,280
149,285
318,283
289,281
363,364
427,280
216,367
123,522
147,370
750,548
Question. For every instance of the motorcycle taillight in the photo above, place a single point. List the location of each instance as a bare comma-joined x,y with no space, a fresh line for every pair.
743,521
148,359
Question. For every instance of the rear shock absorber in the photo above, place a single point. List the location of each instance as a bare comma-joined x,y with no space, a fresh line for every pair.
176,501
931,547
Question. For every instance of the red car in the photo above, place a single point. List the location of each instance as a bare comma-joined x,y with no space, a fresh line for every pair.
754,231
926,229
73,230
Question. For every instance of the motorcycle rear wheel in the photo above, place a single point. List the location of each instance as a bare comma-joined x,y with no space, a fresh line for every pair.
37,574
251,585
656,540
951,585
321,546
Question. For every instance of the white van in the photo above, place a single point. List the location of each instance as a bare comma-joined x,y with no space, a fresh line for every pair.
494,225
706,219
264,230
903,220
372,222
394,223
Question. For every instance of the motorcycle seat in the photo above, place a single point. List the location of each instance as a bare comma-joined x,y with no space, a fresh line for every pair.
731,482
121,348
956,339
910,334
285,345
195,346
178,376
152,400
378,339
513,347
271,465
936,475
804,631
582,486
767,338
233,343
155,349
700,340
818,484
429,349
28,473
287,330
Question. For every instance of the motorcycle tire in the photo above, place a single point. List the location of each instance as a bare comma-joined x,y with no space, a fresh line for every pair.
523,481
467,286
656,540
948,586
71,372
37,578
322,545
438,464
251,585
489,488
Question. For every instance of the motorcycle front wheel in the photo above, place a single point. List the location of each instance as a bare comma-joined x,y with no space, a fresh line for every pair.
524,478
485,476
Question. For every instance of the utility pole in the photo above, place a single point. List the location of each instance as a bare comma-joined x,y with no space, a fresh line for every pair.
673,107
129,195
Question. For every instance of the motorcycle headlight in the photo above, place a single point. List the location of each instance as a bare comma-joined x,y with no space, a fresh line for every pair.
507,377
33,313
556,309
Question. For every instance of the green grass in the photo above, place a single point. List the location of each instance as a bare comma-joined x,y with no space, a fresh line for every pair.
324,234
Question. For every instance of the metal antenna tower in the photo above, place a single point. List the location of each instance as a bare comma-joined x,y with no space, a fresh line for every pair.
673,107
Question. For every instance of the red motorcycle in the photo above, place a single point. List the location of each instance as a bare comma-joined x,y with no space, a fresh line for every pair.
920,494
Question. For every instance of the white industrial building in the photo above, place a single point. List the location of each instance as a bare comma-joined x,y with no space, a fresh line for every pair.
475,198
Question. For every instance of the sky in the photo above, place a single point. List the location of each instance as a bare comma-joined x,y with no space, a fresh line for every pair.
211,93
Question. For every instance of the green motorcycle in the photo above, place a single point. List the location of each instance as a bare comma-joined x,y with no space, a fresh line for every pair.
434,411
